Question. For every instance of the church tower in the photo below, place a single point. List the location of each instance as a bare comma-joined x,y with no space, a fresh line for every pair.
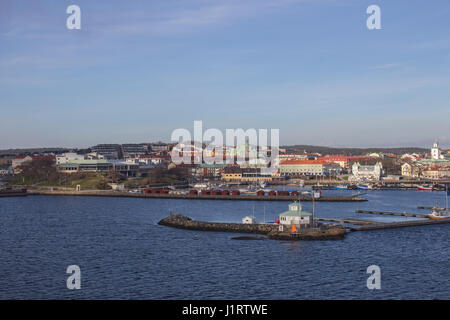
435,152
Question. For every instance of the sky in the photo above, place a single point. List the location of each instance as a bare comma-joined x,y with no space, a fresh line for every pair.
137,70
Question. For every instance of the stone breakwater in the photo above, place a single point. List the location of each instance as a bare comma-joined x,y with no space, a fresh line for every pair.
325,233
177,220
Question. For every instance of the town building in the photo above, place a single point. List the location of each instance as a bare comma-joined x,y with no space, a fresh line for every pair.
85,166
157,147
133,149
125,168
411,170
211,170
366,172
232,174
94,156
410,157
255,175
436,172
309,168
147,159
342,160
108,151
68,157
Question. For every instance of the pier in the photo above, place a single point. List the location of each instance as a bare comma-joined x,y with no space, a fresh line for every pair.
429,208
341,221
404,214
107,193
401,224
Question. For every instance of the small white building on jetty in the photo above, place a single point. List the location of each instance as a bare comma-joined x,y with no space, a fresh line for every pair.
295,218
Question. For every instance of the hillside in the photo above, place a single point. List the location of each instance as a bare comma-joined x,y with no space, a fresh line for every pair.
351,151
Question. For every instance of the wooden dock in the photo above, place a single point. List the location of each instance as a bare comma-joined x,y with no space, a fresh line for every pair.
351,221
401,224
404,214
429,208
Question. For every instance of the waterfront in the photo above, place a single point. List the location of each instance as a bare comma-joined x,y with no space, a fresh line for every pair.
124,254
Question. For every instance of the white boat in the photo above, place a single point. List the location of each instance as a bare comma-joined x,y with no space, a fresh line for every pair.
425,188
365,186
200,186
438,214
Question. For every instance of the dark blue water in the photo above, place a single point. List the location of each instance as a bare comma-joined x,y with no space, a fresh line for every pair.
124,254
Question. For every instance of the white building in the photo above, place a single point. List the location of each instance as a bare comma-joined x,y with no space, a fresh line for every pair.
366,173
95,156
68,157
436,152
117,186
295,217
249,220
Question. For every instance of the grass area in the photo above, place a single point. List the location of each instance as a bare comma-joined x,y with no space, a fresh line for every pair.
90,182
86,182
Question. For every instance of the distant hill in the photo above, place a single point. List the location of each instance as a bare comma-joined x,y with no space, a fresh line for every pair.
351,151
16,152
291,149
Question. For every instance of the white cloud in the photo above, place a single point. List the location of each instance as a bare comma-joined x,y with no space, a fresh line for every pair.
388,66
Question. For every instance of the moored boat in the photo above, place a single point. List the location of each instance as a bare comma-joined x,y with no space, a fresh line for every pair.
340,187
438,214
425,188
10,192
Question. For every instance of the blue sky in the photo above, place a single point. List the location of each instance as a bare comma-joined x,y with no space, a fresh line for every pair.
137,70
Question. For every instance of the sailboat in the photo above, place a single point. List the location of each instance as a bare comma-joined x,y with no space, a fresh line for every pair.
436,213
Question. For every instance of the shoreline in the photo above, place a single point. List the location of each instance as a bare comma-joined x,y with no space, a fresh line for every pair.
107,193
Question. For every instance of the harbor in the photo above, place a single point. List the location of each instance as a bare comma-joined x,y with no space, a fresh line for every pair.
121,236
298,224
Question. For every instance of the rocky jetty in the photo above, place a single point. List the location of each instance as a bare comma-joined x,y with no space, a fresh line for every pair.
329,233
177,220
180,221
